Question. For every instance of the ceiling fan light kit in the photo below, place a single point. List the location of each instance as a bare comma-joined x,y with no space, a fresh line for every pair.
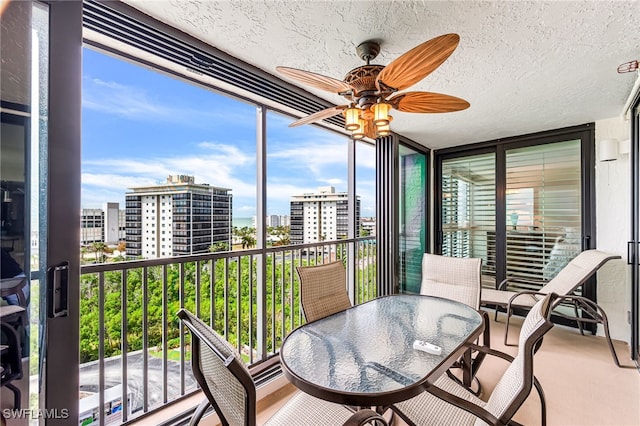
371,89
381,113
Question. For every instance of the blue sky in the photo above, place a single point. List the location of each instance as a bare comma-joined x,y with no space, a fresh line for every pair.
139,126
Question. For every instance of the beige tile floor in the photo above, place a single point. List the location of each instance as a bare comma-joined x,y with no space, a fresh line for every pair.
581,383
583,386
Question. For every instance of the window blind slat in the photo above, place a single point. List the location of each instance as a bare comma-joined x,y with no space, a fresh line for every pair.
543,211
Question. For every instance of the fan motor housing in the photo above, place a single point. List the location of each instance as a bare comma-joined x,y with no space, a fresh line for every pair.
363,78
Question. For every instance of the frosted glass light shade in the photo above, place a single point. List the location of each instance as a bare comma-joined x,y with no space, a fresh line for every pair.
359,132
351,117
381,114
384,130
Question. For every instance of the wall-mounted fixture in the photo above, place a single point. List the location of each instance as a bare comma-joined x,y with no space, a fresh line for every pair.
623,147
608,150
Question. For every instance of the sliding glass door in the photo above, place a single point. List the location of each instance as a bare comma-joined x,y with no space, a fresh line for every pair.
634,244
524,205
40,171
543,211
468,210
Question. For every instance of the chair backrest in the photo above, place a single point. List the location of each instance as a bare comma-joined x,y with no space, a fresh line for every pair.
323,290
11,355
576,272
516,382
221,373
14,286
454,278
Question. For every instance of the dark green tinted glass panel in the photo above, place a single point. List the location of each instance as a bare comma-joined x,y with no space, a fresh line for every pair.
412,214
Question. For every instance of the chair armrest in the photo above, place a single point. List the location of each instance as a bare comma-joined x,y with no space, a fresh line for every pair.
493,352
9,286
467,406
364,416
503,283
523,293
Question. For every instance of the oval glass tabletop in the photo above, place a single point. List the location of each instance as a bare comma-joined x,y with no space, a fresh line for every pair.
365,355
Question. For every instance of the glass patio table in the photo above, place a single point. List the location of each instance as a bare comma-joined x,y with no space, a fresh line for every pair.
364,356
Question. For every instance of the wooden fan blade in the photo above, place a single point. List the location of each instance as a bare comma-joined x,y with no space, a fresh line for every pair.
427,102
317,116
418,62
316,80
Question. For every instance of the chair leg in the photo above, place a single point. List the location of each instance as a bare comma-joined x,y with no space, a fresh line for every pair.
197,415
598,315
543,403
605,324
506,326
575,309
16,395
467,374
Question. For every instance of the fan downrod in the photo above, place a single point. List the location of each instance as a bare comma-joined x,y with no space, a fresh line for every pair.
368,50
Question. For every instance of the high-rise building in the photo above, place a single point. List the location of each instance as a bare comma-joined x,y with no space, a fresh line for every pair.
321,216
106,225
177,218
276,220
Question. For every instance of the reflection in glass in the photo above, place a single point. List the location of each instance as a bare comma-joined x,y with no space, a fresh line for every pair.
412,216
468,210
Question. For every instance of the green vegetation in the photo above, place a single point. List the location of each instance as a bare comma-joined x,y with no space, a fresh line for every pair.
233,292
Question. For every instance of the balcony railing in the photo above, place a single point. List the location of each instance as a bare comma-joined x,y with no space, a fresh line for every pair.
251,297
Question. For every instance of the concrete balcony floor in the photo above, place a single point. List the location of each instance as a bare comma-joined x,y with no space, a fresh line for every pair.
580,380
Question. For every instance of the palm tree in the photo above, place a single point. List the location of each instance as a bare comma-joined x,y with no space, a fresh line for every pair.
282,233
99,248
246,235
219,246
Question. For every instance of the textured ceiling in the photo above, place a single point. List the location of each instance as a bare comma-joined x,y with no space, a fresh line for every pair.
523,66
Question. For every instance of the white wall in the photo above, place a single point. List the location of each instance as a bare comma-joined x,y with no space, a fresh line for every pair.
613,228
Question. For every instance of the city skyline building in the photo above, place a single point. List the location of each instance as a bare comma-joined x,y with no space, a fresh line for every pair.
321,216
177,218
106,225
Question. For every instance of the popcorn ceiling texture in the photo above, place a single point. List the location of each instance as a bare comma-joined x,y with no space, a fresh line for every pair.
523,66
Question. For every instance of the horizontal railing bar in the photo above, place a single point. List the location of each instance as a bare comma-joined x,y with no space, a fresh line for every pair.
139,263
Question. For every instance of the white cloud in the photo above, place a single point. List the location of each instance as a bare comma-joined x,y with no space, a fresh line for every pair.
136,103
116,181
365,155
335,182
246,210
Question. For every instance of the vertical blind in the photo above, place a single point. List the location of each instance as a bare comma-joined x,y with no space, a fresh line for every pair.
543,211
468,209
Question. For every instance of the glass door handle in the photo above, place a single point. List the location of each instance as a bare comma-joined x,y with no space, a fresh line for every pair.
631,252
58,290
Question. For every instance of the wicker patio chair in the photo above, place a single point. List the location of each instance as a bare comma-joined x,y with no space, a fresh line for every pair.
323,290
572,276
448,403
11,365
457,279
16,314
230,390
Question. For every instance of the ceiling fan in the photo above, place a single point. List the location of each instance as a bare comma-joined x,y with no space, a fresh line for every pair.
371,89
